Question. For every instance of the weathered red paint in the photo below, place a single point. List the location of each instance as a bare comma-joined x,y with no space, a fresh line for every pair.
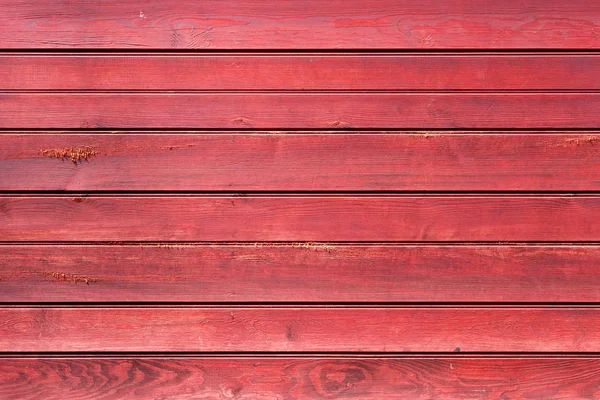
299,71
263,378
301,161
341,200
299,273
300,218
276,110
289,24
300,329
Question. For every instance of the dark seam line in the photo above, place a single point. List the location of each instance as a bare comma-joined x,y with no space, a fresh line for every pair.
302,193
303,354
315,194
124,52
283,305
117,50
238,92
275,244
329,130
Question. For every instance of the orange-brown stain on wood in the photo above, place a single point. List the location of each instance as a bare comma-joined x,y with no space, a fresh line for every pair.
75,154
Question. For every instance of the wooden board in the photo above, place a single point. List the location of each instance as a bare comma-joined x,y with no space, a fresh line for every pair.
257,218
299,71
289,24
300,110
298,273
300,329
320,199
309,161
300,378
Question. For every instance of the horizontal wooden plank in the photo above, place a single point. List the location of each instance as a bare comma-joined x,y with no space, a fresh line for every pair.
299,110
298,272
300,71
300,378
300,218
300,329
300,161
288,24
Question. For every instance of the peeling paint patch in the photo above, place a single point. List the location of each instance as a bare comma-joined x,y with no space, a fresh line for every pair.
339,124
71,278
588,139
75,154
180,146
241,121
174,246
301,245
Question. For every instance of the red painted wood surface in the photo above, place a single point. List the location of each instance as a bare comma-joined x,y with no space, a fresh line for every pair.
300,329
300,110
300,218
301,378
299,273
299,71
289,24
309,161
322,219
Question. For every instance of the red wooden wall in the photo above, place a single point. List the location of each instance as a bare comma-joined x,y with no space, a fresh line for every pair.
320,199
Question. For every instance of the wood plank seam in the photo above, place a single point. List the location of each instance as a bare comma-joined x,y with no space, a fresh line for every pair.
419,222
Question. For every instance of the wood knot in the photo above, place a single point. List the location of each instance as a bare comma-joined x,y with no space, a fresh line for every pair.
291,334
332,379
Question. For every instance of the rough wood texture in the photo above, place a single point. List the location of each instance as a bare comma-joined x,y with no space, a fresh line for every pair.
298,272
307,161
300,329
299,110
301,378
296,71
300,218
129,269
289,24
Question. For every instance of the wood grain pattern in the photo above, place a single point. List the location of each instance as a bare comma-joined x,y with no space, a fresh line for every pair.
300,218
300,378
300,329
247,220
308,161
316,24
298,272
299,110
299,71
